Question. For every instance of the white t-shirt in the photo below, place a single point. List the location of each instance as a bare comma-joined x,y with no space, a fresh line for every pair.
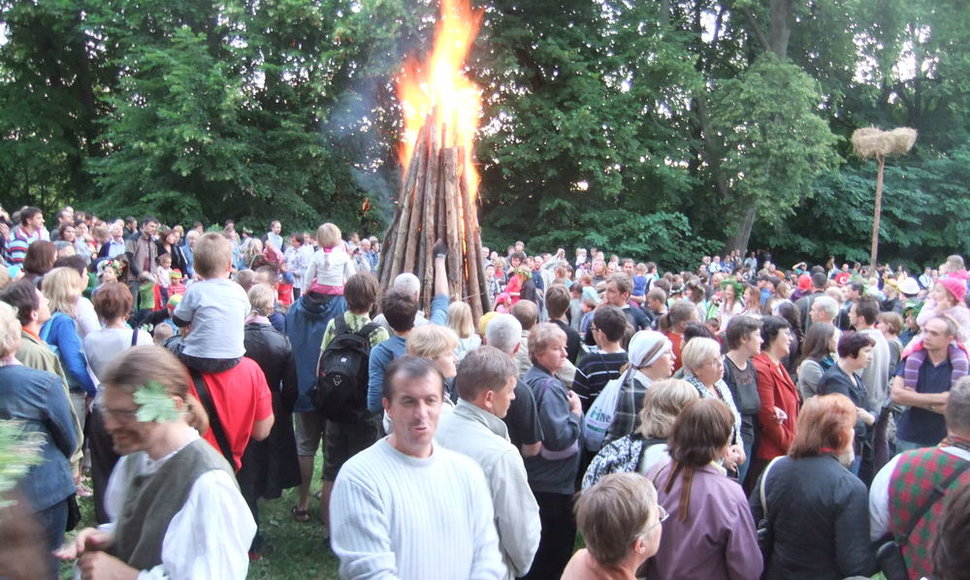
329,268
102,346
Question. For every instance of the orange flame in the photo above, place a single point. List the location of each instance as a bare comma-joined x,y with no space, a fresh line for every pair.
437,89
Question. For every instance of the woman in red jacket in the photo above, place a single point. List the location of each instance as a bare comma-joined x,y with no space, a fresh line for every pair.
779,397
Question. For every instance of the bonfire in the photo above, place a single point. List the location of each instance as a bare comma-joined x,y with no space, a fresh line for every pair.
439,193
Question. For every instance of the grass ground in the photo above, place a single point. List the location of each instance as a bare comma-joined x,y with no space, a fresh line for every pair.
294,551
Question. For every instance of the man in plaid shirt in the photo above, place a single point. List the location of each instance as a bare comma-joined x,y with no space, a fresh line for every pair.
904,488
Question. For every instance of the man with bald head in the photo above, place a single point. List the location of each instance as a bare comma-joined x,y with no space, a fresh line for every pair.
409,284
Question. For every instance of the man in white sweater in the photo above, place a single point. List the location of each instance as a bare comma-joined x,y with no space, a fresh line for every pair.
486,387
407,508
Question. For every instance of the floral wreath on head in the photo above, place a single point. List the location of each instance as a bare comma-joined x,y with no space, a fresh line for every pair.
118,266
736,284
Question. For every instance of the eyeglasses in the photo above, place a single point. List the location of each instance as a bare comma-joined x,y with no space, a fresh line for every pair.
662,516
123,416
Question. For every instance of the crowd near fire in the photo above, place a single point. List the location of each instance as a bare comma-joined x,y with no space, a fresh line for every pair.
481,412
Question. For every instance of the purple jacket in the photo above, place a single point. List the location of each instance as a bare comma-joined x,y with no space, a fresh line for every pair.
717,541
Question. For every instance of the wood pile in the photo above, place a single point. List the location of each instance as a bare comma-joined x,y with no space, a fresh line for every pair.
435,203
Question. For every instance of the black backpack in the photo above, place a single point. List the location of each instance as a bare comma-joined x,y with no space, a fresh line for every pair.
341,390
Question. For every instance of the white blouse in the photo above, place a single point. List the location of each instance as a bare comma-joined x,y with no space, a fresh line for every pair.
208,538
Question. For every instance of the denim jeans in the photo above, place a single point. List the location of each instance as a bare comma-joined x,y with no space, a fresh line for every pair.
53,520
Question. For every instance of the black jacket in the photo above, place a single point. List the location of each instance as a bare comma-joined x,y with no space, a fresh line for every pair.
272,465
818,513
272,352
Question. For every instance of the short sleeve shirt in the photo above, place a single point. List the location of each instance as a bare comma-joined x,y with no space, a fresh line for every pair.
919,425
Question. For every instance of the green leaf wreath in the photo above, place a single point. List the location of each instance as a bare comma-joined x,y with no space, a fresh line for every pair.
155,404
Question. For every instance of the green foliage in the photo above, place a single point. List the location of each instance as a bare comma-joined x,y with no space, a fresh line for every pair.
155,404
19,450
921,195
774,143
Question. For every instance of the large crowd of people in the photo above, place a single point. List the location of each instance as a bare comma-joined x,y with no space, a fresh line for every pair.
737,421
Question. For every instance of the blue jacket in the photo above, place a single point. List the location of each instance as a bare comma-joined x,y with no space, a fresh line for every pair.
554,469
37,398
60,332
381,356
306,321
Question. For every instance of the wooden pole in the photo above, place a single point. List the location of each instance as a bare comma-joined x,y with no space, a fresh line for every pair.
416,169
878,211
450,180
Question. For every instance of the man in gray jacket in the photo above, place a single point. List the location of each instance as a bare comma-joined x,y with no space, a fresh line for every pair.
486,386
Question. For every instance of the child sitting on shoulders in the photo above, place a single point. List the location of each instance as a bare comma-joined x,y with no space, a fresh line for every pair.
215,307
331,266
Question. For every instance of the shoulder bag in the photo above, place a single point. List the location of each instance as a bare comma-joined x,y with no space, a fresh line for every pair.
214,423
765,537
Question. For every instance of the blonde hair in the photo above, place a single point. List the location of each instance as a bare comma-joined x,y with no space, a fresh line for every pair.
662,403
9,329
460,319
262,298
431,340
698,351
60,286
212,255
542,336
613,513
328,235
253,249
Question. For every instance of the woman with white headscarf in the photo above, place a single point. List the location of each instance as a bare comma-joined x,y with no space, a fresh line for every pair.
651,359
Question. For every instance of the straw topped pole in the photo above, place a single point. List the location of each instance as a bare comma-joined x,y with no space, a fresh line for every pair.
873,143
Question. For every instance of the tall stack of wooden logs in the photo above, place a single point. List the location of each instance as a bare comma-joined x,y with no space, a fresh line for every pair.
435,203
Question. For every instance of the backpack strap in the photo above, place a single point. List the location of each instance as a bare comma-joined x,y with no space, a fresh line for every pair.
214,422
339,324
367,329
645,445
45,330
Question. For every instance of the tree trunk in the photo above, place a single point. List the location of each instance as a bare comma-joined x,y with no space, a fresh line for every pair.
881,160
779,31
739,241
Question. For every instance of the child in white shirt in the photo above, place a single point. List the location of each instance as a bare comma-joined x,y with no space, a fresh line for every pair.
331,266
163,271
